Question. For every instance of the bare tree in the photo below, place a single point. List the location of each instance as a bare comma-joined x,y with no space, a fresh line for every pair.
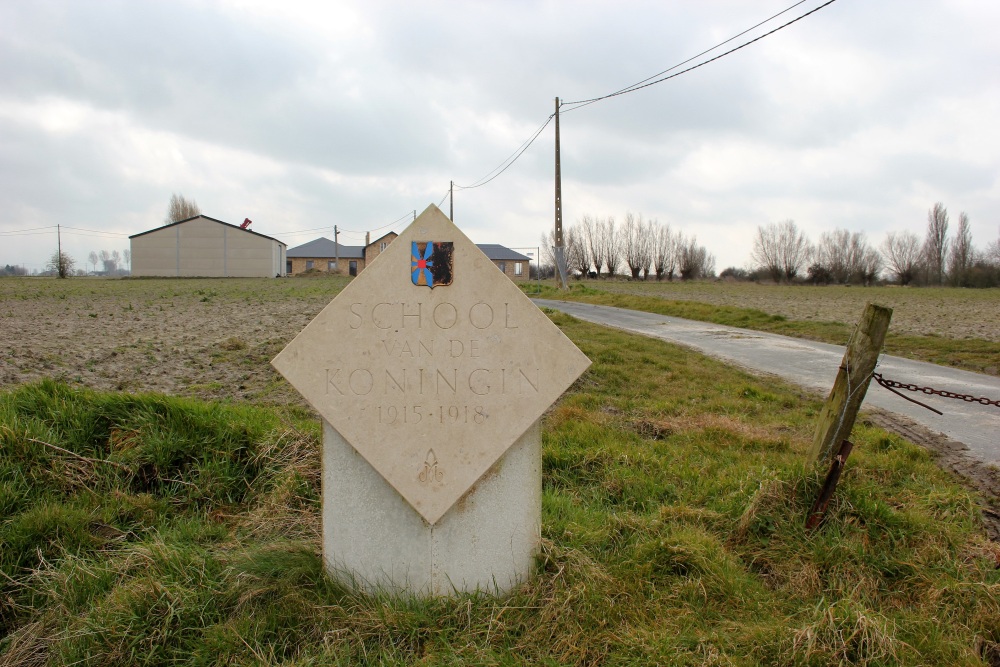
765,253
108,262
902,253
547,248
992,254
648,244
843,255
781,249
93,259
127,256
612,246
962,254
591,230
61,264
577,256
694,260
180,209
870,265
936,242
665,253
636,245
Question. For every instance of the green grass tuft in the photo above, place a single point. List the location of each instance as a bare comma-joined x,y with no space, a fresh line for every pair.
168,531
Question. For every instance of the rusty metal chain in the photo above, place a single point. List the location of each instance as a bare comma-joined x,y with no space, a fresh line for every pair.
892,385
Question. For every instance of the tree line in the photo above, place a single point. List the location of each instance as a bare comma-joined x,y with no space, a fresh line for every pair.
781,252
600,247
113,262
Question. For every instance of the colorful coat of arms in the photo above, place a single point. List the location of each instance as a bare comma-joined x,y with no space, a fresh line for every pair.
431,263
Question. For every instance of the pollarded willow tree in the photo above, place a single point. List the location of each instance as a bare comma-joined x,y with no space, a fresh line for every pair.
781,249
903,255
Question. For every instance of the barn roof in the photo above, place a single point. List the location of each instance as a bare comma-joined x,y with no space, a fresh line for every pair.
181,222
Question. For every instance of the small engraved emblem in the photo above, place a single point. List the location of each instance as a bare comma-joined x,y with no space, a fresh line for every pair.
430,473
431,263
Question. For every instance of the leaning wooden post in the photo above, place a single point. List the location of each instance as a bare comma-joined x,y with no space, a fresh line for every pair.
842,405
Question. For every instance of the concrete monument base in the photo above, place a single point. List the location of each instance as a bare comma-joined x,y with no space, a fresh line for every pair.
375,540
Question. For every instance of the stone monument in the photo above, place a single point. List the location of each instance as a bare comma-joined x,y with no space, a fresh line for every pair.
431,371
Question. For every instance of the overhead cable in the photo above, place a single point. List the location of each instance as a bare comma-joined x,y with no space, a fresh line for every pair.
505,165
646,83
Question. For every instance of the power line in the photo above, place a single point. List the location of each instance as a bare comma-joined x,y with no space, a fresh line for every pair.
646,83
394,222
29,231
78,230
505,165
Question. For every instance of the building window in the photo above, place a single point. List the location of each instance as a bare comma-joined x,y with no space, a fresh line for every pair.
331,265
382,245
288,266
502,266
309,264
518,268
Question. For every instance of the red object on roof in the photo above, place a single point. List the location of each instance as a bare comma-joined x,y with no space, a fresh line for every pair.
246,223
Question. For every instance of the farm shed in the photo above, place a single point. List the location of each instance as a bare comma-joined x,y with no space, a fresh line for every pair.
208,248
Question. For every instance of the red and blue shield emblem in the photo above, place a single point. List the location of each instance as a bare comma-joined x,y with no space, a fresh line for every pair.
431,263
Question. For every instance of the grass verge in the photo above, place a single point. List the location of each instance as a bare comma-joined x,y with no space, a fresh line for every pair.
973,354
172,531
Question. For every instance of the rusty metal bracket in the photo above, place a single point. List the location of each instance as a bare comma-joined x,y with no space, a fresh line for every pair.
818,511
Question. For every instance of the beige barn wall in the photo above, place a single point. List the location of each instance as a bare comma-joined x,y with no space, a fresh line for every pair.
203,248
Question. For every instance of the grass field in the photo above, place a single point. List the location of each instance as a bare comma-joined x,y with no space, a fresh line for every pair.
151,529
952,327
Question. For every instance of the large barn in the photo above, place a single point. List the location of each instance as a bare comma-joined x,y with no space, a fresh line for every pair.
207,248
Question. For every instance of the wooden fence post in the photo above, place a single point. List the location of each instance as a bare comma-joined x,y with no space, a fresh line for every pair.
842,405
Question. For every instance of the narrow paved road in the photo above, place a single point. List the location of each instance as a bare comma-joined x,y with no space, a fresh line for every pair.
814,366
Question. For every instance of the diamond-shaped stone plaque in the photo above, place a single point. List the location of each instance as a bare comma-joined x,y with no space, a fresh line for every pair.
431,372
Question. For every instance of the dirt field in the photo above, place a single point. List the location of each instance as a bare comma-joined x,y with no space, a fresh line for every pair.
205,338
946,312
214,338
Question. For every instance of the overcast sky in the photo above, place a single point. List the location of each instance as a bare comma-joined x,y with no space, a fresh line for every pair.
303,115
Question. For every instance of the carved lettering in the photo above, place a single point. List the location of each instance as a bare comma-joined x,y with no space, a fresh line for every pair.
416,315
391,382
445,315
359,316
478,384
361,382
375,316
481,315
331,381
506,319
451,385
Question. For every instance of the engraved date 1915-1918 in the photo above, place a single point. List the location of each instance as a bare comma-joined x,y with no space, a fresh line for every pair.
439,414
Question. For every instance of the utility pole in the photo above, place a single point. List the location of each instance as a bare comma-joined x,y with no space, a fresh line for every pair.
558,251
451,200
336,249
60,271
